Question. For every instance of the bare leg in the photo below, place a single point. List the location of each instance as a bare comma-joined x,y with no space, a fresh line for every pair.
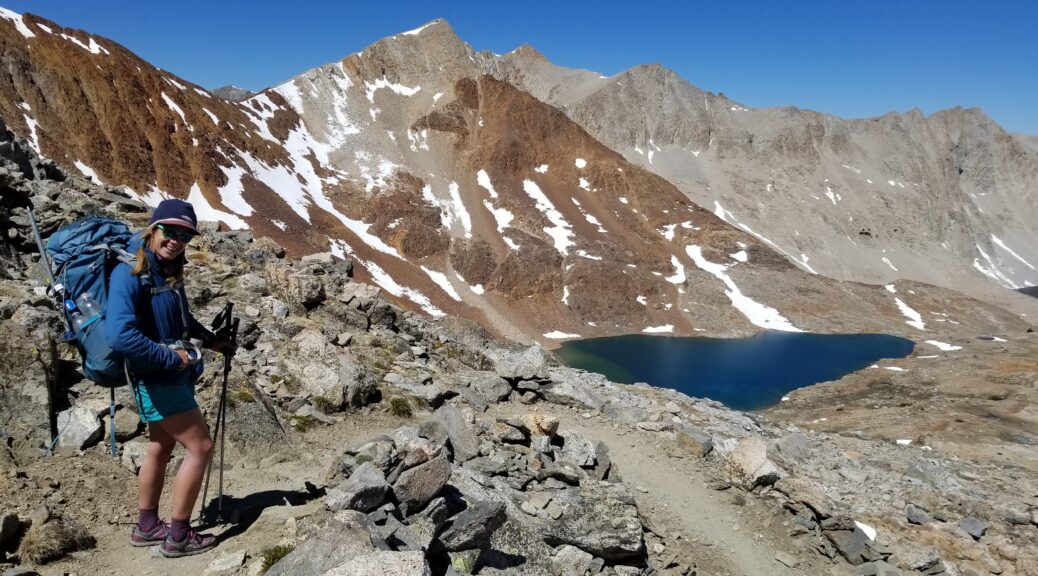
153,469
190,430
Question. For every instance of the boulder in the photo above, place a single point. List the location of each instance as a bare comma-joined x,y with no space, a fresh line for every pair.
472,528
463,440
571,561
226,563
79,429
345,537
384,563
490,387
526,364
695,441
748,465
364,490
576,449
599,518
417,486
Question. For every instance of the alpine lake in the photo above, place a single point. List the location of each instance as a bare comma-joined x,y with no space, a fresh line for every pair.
743,374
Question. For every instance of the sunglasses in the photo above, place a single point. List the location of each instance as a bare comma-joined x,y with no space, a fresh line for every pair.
173,233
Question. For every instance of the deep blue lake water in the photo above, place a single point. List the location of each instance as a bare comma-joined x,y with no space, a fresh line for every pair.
744,374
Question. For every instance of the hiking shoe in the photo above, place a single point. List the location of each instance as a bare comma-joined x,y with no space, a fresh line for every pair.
193,543
157,535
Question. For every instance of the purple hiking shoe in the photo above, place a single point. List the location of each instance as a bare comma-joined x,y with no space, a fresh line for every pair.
157,535
193,543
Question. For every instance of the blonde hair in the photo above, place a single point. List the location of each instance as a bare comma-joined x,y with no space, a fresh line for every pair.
142,258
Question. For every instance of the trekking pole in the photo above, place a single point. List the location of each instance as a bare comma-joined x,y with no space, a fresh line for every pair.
226,328
52,417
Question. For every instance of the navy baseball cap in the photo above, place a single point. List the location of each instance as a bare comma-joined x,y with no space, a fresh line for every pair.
175,213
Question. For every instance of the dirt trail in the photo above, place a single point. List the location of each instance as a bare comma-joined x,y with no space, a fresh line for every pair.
732,534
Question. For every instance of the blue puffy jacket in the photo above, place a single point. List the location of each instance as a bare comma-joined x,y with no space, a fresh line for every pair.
139,323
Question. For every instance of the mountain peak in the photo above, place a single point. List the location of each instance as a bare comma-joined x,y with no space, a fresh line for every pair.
528,51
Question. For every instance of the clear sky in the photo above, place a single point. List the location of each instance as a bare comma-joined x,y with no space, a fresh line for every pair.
852,59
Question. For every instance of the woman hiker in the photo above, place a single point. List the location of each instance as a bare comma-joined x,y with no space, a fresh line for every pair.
147,310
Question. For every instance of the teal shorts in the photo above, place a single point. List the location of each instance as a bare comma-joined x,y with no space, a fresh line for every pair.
156,401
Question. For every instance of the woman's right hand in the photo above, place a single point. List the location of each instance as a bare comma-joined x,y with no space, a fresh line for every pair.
184,360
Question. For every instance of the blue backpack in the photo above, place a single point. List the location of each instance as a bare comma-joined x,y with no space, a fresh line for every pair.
83,255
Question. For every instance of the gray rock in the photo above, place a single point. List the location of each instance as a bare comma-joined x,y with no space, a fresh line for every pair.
361,390
528,364
472,528
571,561
473,399
748,465
432,393
1017,517
490,387
379,451
79,429
463,440
599,518
21,571
576,449
364,490
878,568
850,543
917,515
384,563
308,411
697,442
807,493
417,486
128,425
434,430
133,454
796,447
786,559
226,563
345,537
505,432
973,527
920,559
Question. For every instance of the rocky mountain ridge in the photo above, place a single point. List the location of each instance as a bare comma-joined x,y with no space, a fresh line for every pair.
947,199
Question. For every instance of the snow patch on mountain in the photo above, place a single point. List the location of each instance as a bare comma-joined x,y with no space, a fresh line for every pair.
915,320
231,194
561,232
19,24
728,217
758,314
371,87
443,282
205,211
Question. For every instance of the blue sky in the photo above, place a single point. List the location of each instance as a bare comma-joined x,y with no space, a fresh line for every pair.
852,59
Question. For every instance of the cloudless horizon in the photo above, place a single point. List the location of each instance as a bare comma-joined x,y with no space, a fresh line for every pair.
850,60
